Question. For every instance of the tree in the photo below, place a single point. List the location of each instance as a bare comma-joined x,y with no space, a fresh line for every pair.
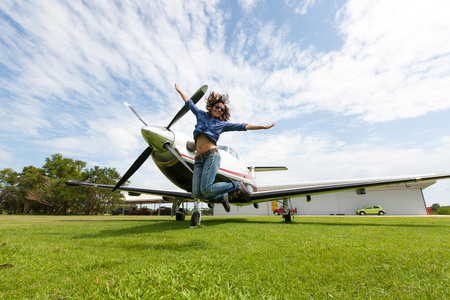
42,190
10,194
60,167
61,198
100,199
434,208
445,210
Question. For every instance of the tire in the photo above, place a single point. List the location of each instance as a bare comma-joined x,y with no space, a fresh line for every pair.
362,213
195,219
287,218
180,216
381,212
276,213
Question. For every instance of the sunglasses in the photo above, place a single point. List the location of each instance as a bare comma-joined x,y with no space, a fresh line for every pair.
219,107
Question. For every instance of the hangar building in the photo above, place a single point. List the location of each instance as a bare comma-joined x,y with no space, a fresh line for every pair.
396,200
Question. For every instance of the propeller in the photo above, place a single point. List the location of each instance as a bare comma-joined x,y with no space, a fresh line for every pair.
197,96
175,153
134,112
149,150
136,165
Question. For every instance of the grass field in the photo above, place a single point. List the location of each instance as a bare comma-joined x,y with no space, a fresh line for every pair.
148,257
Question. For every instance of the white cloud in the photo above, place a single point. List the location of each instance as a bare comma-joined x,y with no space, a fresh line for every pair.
300,7
248,5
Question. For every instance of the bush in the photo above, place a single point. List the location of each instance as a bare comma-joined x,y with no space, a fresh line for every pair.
443,210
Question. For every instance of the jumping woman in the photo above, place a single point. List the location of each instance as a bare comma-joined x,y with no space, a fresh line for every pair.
210,125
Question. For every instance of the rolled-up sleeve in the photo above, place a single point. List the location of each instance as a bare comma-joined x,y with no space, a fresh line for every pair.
235,127
189,103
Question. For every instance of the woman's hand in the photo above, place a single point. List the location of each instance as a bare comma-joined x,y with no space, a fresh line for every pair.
183,96
257,127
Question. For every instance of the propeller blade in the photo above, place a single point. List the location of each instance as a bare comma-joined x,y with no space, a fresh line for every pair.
175,153
141,159
197,96
134,112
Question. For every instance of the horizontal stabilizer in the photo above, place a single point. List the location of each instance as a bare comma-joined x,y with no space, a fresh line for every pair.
266,169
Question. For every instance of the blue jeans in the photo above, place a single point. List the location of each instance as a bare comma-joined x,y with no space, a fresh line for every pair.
205,171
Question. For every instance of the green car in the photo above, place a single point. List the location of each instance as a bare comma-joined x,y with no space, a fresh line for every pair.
371,210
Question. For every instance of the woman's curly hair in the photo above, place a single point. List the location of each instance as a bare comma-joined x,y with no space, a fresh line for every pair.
215,98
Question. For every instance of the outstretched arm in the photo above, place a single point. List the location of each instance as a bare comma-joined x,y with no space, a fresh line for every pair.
183,96
257,127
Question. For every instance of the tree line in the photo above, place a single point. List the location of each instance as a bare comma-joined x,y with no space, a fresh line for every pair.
436,209
43,191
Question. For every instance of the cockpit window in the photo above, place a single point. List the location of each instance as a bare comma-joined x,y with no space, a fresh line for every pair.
229,150
232,152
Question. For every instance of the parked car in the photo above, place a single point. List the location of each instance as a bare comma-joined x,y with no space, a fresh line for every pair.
371,210
279,211
119,211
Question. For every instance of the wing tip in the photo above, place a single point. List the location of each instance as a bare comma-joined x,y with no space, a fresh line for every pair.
71,182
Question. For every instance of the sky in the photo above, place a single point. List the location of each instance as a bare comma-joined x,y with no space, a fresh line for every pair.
357,88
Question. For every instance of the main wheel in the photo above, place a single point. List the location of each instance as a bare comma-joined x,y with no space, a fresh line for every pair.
195,219
287,218
180,216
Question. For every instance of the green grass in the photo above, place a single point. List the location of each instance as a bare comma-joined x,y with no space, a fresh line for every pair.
146,257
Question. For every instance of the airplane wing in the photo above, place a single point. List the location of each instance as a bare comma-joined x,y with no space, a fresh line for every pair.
358,186
166,194
282,193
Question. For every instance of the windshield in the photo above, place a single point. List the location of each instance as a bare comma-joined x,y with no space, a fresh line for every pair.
229,150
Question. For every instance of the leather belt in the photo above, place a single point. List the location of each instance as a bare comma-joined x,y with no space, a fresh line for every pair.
206,153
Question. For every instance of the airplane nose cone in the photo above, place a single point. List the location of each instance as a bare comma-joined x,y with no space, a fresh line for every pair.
157,136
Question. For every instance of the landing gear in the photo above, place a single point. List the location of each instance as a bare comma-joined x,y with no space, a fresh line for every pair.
178,210
196,217
287,217
287,214
180,216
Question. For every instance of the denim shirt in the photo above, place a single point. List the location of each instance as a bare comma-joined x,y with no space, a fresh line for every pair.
211,127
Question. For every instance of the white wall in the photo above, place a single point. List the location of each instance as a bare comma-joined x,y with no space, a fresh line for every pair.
394,201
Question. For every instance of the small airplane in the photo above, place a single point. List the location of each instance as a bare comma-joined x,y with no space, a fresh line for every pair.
174,154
